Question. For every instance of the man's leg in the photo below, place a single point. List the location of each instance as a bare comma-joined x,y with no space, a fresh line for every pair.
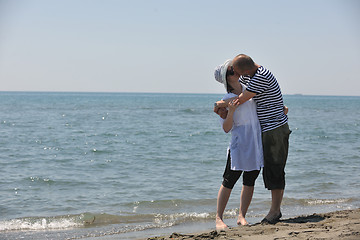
276,199
275,145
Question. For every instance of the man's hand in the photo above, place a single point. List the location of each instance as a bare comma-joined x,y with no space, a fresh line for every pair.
286,110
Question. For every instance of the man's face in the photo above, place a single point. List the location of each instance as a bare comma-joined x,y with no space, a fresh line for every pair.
240,72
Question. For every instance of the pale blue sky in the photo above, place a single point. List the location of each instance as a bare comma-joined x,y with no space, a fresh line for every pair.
312,46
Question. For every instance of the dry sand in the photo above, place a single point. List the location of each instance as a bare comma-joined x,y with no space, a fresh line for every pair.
335,225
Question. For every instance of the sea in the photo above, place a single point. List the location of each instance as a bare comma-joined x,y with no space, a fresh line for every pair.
137,165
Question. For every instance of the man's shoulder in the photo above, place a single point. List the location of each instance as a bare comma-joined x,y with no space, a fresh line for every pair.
263,71
263,74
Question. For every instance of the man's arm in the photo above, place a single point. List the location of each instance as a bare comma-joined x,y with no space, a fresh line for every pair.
223,103
244,96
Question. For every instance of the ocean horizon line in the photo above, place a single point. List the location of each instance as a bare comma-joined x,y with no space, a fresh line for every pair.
165,93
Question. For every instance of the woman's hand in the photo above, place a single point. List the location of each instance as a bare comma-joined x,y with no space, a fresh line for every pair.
233,105
218,105
222,112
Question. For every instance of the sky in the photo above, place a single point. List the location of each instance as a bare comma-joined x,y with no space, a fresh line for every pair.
173,46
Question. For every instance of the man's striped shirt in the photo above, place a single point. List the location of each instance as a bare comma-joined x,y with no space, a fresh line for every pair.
268,98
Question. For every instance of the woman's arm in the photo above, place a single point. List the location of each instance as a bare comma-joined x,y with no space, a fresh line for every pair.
228,123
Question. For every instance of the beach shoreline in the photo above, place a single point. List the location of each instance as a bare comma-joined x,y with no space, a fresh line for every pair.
344,224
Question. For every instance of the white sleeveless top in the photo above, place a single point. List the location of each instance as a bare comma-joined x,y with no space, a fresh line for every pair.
246,145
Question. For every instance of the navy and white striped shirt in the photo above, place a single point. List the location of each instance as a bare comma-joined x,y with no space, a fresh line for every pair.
268,98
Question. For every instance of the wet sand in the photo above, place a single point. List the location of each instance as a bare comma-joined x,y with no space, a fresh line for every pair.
335,225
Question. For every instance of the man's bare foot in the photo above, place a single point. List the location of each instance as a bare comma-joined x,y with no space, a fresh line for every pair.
220,225
242,221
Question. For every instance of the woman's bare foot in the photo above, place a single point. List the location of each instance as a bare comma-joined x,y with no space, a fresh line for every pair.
220,225
242,221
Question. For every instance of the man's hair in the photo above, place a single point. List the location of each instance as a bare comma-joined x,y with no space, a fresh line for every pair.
243,62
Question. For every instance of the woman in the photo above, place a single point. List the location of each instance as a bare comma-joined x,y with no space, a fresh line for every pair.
245,152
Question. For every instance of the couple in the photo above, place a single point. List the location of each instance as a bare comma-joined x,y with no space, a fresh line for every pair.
254,112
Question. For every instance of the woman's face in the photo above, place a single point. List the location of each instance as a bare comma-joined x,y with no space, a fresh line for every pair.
231,76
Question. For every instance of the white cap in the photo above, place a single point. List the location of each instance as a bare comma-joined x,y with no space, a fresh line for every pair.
220,72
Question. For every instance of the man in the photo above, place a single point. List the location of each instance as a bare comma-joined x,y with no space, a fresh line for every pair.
263,87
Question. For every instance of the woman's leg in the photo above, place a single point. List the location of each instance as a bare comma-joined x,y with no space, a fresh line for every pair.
247,192
222,200
245,200
230,177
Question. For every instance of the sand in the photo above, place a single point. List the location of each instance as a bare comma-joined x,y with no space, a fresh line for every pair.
335,225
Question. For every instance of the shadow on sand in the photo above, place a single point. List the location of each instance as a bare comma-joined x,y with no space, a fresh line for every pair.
304,219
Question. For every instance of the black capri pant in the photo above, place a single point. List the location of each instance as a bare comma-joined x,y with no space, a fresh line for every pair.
231,176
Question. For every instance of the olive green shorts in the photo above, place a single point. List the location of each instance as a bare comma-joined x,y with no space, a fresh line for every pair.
275,146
